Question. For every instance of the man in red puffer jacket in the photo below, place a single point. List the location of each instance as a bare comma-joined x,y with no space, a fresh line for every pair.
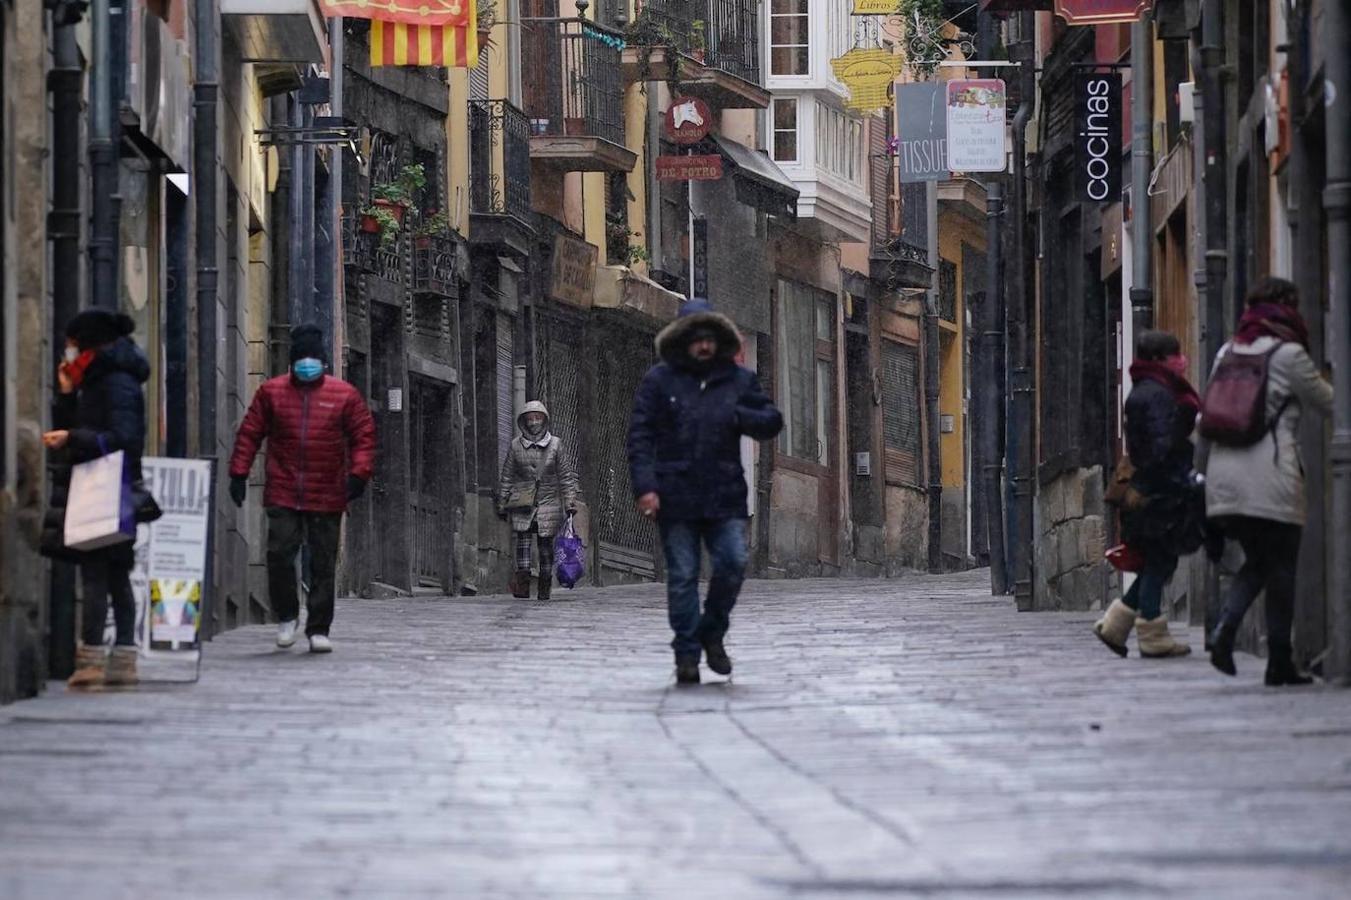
320,455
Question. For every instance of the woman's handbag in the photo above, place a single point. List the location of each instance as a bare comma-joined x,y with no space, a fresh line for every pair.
1120,492
522,498
569,555
1125,558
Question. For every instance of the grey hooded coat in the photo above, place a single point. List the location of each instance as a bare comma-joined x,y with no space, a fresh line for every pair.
1266,480
549,466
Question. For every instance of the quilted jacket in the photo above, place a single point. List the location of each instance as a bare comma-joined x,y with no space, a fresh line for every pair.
317,435
550,467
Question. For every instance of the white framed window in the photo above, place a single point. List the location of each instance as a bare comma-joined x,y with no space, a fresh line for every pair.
784,124
789,37
839,143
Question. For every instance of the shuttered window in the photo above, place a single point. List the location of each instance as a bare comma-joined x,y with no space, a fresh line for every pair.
506,425
901,412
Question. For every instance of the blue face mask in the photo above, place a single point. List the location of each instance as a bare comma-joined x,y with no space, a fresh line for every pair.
308,369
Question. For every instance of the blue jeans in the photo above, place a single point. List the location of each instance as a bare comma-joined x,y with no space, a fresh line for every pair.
726,542
1146,593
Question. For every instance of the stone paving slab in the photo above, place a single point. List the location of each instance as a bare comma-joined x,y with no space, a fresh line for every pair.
905,738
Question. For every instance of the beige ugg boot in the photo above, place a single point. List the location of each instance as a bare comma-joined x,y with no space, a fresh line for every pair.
1155,641
122,666
1115,626
91,666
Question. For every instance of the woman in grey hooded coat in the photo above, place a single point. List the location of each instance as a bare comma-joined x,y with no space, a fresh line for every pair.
539,486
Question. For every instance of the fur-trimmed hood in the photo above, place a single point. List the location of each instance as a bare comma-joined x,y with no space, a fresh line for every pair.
673,340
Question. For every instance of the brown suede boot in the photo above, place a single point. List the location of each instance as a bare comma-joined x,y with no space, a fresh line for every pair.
1155,641
1115,626
91,668
122,666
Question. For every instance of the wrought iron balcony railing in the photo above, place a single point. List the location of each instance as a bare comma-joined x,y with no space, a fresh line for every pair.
499,140
572,79
723,34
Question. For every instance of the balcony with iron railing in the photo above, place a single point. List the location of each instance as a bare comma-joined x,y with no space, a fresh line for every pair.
499,177
711,47
574,95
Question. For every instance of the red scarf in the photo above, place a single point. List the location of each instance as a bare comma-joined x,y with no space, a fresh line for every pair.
75,370
1179,387
1272,320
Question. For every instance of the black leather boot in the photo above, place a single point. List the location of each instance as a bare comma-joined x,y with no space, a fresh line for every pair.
715,654
1282,671
546,584
1222,648
687,670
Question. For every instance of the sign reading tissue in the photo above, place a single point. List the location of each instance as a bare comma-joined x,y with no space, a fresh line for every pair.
976,125
1097,136
922,132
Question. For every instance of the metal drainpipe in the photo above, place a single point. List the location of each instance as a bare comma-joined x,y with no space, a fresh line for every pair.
337,302
1336,34
1213,198
65,82
1018,316
933,388
205,186
103,134
1142,166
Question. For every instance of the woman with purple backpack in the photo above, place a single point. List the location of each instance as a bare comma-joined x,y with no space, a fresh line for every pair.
1250,422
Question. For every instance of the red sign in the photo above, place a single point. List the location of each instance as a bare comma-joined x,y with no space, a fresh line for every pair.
689,168
1101,12
688,120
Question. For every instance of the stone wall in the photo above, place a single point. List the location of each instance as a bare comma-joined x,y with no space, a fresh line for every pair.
1071,539
907,533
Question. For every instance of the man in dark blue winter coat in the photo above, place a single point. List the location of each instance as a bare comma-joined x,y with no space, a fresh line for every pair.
690,413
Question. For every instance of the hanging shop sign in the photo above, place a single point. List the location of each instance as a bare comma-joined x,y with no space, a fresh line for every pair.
700,264
572,279
688,120
1097,136
869,75
1101,12
975,113
921,132
875,7
689,168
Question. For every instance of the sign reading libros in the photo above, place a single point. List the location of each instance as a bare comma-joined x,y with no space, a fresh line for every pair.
1097,136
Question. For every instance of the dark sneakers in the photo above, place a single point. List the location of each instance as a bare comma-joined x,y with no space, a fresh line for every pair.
716,656
687,670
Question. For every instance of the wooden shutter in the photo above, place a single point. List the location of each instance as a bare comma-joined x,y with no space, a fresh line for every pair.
901,412
506,424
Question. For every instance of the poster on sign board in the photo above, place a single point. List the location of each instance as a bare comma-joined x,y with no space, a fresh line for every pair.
976,125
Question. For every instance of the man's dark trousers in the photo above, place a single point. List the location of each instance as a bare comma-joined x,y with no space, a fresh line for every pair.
726,542
287,529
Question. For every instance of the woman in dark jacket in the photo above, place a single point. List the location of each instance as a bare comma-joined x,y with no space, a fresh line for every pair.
101,410
1160,416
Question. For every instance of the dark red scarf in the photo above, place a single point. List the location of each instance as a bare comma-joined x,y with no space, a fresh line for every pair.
75,370
1272,320
1179,387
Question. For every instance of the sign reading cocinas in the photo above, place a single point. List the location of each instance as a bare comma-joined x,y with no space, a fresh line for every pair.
1097,137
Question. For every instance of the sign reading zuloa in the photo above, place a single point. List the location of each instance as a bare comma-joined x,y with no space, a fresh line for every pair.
1097,137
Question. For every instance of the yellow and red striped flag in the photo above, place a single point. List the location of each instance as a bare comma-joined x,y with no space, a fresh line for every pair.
399,44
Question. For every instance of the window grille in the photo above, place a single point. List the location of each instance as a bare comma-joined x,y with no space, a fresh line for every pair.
901,419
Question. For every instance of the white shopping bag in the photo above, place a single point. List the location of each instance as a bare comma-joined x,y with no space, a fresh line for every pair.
99,509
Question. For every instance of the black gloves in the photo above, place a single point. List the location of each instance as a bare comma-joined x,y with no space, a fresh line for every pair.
239,488
355,488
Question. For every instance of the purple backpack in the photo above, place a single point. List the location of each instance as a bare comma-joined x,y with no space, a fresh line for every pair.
569,556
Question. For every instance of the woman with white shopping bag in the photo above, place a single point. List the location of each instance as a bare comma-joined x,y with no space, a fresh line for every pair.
100,415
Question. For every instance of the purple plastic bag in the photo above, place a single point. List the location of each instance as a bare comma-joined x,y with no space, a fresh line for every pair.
569,556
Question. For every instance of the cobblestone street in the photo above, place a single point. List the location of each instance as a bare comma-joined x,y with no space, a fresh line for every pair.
899,738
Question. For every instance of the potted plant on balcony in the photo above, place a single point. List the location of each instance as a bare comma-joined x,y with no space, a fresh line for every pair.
487,19
698,45
397,196
433,226
647,34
